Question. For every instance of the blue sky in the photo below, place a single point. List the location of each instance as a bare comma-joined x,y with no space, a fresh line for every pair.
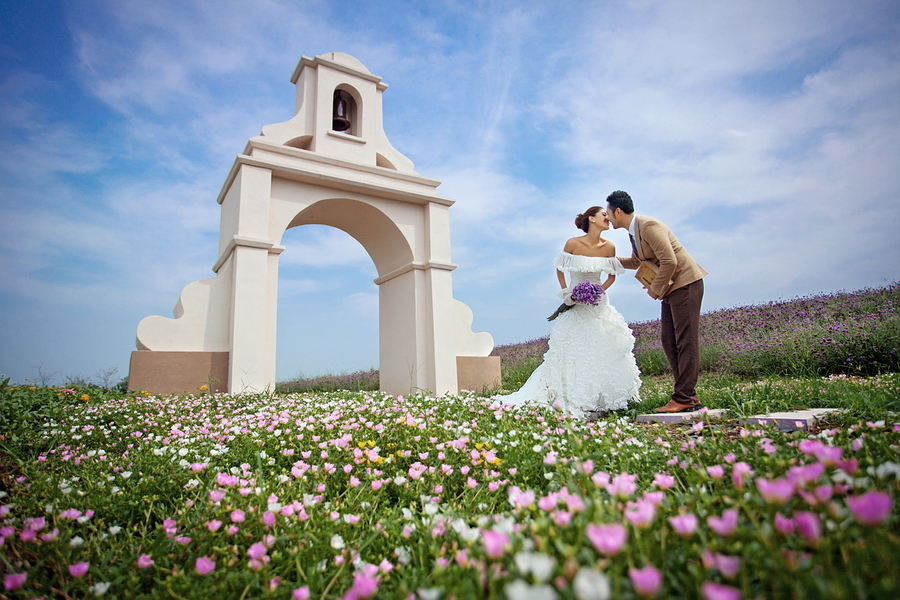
764,133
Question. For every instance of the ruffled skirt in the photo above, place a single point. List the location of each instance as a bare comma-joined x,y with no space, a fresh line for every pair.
589,365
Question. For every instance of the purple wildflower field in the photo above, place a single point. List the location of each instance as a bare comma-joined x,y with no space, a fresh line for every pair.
853,333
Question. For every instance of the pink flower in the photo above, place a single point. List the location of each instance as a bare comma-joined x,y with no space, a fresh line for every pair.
365,585
871,508
520,499
711,590
640,513
655,498
548,502
716,471
623,486
828,455
237,516
216,495
600,479
144,561
809,447
561,517
257,550
607,539
663,481
197,467
809,526
214,525
495,543
70,513
169,526
726,524
79,569
646,581
268,518
784,525
802,475
728,566
14,581
775,491
204,565
738,472
301,593
684,525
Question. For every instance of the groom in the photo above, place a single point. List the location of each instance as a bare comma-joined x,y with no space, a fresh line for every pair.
680,321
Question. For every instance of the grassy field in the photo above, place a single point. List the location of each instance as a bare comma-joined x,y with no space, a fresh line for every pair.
358,494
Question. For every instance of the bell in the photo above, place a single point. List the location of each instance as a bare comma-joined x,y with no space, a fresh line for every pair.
340,120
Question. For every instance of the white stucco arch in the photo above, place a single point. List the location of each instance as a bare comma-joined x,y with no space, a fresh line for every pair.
301,172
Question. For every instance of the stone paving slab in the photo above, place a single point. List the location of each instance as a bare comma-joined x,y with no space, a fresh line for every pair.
716,413
784,421
792,420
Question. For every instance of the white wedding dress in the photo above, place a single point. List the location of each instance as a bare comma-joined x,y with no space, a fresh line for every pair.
590,364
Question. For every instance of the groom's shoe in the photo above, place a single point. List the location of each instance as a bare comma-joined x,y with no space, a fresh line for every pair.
677,407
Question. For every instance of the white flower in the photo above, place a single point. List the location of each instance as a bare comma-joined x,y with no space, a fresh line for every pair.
403,555
591,585
520,590
337,542
125,474
884,469
429,593
98,589
539,565
76,541
114,529
399,480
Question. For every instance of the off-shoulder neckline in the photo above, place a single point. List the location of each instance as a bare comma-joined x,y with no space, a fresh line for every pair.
584,255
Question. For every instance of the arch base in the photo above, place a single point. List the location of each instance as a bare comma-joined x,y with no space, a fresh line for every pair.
170,372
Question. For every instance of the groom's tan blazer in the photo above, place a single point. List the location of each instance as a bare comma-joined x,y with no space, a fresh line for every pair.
656,243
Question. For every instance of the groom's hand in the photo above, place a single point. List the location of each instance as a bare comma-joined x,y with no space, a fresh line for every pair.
651,294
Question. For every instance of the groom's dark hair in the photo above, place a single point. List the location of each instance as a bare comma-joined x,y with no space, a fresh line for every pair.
622,200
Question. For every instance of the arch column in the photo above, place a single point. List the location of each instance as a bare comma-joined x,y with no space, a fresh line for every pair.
253,261
416,329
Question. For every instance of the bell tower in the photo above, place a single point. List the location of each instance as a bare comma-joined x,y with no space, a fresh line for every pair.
330,164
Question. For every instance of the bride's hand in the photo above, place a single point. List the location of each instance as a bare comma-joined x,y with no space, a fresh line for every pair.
566,296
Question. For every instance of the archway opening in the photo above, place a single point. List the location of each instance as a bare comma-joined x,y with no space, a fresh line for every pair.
327,305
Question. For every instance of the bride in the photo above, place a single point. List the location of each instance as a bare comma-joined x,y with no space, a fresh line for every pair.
589,367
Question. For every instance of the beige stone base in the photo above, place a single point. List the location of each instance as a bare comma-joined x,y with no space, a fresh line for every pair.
160,372
478,373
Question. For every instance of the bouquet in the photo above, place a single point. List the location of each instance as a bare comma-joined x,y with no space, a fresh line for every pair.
583,293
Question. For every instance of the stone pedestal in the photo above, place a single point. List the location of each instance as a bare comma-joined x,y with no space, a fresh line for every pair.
478,373
162,373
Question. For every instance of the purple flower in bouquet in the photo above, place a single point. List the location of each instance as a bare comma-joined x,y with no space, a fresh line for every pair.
583,293
587,293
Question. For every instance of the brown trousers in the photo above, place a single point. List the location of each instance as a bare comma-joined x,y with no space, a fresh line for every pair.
680,336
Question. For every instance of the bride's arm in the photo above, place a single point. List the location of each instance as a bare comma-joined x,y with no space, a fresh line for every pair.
608,283
562,278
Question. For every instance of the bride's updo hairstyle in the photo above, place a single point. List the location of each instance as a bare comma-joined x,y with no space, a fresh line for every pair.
583,220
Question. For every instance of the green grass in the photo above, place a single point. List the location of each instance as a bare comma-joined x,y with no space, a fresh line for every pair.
363,477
